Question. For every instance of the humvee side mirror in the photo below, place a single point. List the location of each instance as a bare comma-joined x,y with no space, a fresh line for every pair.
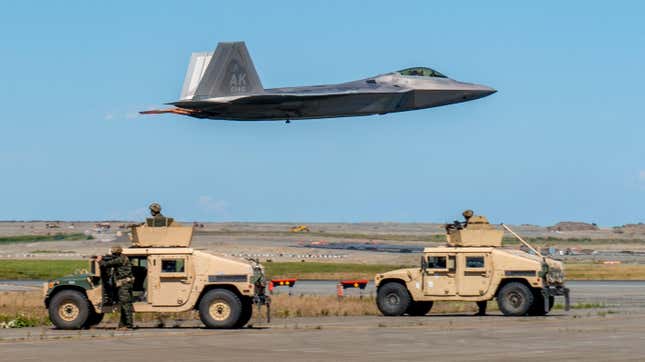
424,263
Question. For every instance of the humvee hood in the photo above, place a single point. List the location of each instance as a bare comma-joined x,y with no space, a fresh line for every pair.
220,263
405,272
522,254
552,263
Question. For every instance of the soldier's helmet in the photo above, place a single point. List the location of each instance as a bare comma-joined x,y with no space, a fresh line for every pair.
468,214
116,250
155,207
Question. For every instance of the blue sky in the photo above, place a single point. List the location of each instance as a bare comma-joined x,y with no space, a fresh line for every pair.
561,140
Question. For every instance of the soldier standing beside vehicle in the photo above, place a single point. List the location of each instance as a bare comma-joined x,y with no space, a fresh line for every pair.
124,281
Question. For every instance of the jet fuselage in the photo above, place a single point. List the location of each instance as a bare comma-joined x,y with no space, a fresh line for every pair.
224,85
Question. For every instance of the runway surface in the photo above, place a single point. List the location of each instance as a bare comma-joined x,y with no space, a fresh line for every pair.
613,330
578,336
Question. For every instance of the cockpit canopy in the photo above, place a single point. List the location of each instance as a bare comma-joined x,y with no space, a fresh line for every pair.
421,72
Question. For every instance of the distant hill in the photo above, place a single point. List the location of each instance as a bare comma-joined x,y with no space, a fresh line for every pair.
573,226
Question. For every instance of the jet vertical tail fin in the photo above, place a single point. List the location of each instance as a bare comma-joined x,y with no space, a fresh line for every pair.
198,64
227,72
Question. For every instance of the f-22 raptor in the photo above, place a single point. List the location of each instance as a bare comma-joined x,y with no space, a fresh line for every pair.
224,85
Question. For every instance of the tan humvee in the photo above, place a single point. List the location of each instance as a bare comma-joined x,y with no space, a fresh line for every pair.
169,276
474,267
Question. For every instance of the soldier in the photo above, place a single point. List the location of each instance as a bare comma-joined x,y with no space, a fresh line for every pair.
467,215
158,219
482,307
459,225
124,282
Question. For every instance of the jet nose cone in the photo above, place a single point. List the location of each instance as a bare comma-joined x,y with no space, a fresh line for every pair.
482,90
476,91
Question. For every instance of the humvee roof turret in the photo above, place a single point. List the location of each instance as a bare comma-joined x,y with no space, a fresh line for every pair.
164,237
169,276
478,233
473,266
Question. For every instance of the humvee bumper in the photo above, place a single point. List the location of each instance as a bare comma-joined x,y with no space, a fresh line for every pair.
556,291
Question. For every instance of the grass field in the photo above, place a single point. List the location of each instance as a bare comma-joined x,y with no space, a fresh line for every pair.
39,269
36,238
592,271
50,269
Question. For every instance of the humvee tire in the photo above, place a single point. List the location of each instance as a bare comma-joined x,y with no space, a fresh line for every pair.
220,308
393,299
537,309
69,309
515,299
93,319
419,308
247,312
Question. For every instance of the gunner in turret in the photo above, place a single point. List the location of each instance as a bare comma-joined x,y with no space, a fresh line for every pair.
157,219
460,225
467,215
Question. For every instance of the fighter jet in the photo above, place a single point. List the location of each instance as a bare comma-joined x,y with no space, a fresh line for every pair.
224,85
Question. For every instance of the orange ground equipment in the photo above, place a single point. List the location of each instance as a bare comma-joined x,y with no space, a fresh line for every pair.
345,284
358,283
290,282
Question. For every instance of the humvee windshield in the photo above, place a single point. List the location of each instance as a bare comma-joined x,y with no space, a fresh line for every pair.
421,72
436,262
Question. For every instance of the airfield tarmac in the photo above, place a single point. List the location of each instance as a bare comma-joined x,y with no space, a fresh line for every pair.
613,331
577,336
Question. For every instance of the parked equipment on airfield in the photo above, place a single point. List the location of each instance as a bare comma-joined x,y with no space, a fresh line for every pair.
474,267
300,229
169,277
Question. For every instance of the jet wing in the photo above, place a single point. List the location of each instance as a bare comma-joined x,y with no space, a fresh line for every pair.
272,96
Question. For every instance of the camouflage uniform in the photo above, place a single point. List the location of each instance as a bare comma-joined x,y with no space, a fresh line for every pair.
158,219
124,281
482,307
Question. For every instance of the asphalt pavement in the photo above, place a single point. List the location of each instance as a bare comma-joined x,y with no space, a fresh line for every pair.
613,330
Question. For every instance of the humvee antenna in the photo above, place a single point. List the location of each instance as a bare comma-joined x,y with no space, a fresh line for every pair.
522,241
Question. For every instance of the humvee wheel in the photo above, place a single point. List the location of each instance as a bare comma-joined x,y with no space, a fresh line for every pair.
419,308
220,308
537,309
515,299
247,313
93,319
69,309
393,299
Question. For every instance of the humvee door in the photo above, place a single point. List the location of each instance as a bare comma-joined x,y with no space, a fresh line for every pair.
474,272
171,278
439,277
140,274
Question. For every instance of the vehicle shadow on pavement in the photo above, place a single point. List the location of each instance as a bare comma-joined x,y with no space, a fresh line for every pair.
473,315
107,328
